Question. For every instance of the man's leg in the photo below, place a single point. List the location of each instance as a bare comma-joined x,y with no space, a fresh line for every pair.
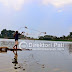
16,46
16,43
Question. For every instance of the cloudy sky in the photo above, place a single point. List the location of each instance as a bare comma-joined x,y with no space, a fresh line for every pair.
52,16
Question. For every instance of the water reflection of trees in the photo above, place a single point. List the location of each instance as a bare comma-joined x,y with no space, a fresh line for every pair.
70,48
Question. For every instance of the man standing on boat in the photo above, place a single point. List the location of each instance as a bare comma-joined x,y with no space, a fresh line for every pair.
16,35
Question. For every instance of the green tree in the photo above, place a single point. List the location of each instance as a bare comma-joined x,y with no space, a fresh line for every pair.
7,33
4,33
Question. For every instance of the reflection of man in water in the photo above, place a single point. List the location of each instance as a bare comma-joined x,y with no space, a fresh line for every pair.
16,35
15,58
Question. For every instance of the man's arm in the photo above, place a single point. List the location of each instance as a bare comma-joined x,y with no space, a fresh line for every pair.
21,33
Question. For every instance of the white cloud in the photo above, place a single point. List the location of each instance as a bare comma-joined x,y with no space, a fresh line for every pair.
57,3
60,10
16,4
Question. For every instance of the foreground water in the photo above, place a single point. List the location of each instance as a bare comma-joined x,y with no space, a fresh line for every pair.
52,59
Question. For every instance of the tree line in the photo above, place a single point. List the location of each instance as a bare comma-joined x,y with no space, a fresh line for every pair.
55,38
10,35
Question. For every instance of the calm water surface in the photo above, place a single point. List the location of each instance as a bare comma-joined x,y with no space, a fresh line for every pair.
41,60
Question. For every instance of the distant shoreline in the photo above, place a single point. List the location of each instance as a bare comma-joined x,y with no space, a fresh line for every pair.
39,39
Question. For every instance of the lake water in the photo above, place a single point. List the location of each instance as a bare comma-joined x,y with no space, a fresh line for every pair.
45,56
